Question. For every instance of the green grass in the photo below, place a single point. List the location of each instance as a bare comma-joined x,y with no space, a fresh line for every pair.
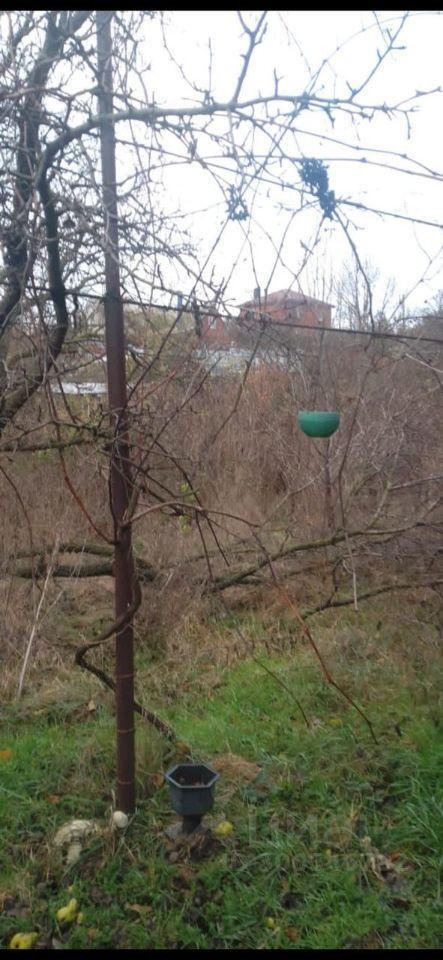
296,854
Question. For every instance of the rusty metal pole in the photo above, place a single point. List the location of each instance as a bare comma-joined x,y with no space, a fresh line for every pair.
120,469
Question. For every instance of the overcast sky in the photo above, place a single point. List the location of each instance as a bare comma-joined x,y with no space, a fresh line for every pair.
295,45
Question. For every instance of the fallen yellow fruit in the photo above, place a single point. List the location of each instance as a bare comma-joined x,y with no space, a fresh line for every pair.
67,914
270,923
23,941
223,829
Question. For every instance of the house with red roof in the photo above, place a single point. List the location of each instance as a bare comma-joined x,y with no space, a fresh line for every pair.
286,307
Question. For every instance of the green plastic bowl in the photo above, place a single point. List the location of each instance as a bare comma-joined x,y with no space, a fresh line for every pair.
318,423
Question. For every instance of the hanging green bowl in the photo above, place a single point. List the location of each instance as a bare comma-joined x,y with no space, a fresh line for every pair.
318,423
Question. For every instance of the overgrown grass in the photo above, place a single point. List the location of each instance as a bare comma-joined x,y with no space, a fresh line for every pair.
298,853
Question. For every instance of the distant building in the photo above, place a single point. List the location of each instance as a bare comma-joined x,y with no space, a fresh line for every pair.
224,345
287,306
87,388
219,349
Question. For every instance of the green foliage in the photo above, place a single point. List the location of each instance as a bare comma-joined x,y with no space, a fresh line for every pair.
185,524
296,872
188,493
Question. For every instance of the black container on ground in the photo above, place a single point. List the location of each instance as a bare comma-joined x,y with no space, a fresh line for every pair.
191,787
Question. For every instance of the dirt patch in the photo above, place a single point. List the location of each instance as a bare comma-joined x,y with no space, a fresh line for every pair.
233,767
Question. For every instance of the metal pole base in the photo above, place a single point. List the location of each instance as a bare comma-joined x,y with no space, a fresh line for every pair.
190,824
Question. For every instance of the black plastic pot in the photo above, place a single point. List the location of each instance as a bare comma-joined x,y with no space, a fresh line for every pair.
191,787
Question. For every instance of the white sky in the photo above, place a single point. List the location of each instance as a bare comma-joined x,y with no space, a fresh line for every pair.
400,251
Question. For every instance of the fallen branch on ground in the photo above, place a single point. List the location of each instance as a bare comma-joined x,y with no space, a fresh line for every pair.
389,588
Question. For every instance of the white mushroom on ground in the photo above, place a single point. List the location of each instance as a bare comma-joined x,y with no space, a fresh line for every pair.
74,853
120,819
73,836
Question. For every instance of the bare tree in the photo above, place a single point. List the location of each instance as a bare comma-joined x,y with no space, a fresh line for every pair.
244,147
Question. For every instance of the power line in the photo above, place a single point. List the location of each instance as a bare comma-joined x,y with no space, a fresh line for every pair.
260,316
356,333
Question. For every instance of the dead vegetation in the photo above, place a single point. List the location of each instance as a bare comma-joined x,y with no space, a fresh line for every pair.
338,520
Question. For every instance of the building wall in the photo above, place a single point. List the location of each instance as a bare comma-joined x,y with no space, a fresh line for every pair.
308,314
222,342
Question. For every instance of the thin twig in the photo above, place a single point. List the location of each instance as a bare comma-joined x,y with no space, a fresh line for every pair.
33,633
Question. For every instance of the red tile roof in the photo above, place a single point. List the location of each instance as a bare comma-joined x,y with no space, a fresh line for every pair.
285,297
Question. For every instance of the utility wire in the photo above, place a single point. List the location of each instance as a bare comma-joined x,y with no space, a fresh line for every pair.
259,315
